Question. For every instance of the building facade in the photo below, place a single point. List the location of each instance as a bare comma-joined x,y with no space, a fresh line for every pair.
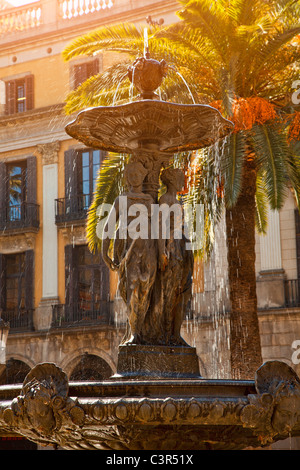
60,300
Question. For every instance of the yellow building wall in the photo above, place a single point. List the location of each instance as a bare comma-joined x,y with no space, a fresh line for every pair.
51,78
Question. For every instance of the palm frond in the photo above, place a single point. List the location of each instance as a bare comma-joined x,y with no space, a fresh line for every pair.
204,191
211,20
109,185
261,205
271,150
233,155
123,36
268,52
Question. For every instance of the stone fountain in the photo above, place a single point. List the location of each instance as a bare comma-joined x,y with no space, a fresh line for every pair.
157,399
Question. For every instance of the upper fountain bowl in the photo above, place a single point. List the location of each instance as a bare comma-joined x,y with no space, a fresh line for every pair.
149,124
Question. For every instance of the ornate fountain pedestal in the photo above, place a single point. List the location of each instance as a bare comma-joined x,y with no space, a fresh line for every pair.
142,361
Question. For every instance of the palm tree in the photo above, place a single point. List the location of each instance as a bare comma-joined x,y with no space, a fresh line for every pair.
240,57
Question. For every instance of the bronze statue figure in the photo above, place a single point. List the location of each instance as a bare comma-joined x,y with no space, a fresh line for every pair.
133,258
175,261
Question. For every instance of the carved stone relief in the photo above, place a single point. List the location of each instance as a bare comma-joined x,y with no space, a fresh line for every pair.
49,152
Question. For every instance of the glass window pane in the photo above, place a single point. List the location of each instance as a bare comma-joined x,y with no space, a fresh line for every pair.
95,171
21,97
96,157
85,187
85,173
85,159
15,185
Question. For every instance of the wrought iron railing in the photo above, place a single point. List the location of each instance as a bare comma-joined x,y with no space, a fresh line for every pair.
18,319
82,313
292,293
20,216
72,208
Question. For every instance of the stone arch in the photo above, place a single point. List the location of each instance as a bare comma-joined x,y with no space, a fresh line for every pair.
71,360
90,367
15,371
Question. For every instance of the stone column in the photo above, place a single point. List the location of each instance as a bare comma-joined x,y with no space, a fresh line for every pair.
270,282
49,154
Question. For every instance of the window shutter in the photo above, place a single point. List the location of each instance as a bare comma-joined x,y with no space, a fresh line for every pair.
71,182
32,214
29,90
105,284
3,192
71,281
10,93
92,68
2,283
83,71
297,223
79,74
29,279
31,180
71,170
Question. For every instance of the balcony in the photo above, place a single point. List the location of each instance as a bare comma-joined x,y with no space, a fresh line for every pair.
35,15
70,210
63,17
19,218
82,314
292,293
20,320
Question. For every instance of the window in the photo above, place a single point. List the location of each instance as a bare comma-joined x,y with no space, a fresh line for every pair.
81,171
15,282
16,288
82,72
88,169
18,208
19,95
89,280
87,285
16,180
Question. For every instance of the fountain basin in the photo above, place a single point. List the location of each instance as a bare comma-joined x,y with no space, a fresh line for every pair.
149,124
161,414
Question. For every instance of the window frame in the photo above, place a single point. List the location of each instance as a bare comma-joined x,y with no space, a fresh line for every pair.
19,277
74,306
83,69
22,316
11,96
91,165
24,183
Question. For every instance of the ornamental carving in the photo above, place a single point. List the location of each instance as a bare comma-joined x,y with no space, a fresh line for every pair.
275,410
49,152
44,410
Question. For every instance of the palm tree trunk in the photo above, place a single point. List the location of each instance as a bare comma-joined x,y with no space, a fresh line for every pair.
244,328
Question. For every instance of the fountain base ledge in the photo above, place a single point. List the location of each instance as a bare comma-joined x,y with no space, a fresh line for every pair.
153,414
